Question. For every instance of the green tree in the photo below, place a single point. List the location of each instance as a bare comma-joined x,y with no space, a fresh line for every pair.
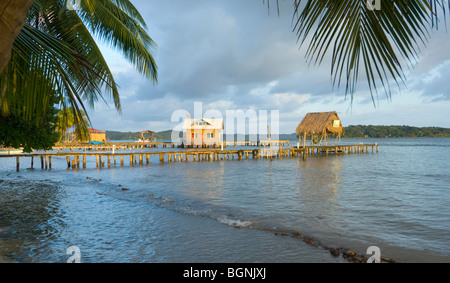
17,133
56,53
66,121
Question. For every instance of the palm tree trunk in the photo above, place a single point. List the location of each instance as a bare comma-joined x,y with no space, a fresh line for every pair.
12,18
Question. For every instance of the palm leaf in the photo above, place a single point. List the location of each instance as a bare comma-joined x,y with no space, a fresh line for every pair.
377,44
122,31
56,55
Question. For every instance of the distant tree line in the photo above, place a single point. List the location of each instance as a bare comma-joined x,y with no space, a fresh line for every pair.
358,131
117,136
361,131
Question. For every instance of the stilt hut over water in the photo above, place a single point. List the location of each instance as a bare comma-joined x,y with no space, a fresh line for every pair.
319,127
93,135
203,132
97,135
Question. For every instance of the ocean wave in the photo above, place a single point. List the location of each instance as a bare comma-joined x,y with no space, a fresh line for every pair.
235,222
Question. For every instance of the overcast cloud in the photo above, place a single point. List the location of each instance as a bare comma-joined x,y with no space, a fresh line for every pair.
237,55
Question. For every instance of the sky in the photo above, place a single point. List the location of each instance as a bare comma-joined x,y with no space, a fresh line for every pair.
236,56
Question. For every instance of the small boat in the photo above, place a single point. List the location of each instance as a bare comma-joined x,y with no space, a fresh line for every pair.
96,143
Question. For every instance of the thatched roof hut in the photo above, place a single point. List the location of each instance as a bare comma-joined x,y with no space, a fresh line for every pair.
320,123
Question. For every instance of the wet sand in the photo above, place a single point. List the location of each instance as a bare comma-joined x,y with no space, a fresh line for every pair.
5,260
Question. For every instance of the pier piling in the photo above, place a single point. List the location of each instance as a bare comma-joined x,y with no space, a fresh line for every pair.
197,155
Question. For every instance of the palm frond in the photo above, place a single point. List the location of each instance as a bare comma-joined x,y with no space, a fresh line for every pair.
112,24
42,66
56,55
374,43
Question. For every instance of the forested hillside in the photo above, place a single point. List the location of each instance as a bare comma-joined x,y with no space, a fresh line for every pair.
358,131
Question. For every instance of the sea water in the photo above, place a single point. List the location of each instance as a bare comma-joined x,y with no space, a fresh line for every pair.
233,210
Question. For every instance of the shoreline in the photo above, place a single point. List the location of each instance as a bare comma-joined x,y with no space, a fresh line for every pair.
350,255
5,260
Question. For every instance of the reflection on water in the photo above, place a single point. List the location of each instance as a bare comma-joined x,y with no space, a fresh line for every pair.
320,183
204,183
229,211
29,213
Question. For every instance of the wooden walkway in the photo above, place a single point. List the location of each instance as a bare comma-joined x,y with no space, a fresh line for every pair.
257,143
345,149
113,145
141,145
77,160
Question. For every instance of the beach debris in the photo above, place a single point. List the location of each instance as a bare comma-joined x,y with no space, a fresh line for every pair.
95,180
346,253
334,252
296,234
310,241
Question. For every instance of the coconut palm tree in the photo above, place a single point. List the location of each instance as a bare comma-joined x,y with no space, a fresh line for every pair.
12,18
66,121
56,54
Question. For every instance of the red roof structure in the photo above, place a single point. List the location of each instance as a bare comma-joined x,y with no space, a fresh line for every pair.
94,130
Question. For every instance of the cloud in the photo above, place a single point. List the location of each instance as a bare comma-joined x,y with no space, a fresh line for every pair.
235,55
434,83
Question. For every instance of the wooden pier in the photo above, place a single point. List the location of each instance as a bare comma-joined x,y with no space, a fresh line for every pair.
112,145
257,143
154,144
337,149
77,160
